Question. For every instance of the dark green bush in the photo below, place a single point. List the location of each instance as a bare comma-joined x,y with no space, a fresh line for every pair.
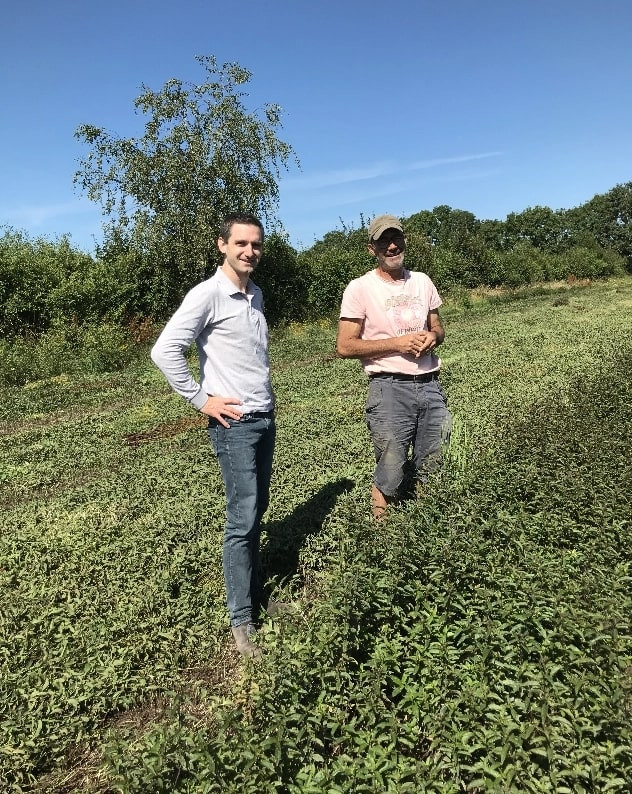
284,283
420,255
523,264
65,348
97,291
449,267
330,270
44,282
585,263
30,272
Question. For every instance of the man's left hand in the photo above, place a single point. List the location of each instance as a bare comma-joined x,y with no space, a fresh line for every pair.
429,343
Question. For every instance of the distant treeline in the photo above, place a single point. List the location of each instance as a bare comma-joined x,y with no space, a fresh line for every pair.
45,284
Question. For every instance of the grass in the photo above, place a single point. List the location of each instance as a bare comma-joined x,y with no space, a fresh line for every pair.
477,641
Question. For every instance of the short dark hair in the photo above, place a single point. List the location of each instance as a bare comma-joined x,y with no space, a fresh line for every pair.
238,217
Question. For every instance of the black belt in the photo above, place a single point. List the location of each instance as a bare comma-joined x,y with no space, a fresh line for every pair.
424,377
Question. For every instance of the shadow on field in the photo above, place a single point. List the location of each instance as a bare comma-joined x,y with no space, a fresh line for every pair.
285,537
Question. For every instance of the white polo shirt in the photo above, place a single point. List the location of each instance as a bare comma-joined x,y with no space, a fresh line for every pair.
231,335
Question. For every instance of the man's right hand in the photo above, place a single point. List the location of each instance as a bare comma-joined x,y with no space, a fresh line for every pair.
219,407
417,344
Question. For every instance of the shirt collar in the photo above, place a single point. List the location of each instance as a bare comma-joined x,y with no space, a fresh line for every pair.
229,287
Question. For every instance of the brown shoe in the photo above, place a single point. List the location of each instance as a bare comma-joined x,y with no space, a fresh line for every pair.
243,640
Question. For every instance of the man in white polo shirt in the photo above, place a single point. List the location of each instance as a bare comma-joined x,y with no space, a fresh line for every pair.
224,317
389,319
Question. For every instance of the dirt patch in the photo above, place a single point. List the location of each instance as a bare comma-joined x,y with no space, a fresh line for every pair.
165,430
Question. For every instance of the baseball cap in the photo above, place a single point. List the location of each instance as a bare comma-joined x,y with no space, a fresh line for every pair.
381,223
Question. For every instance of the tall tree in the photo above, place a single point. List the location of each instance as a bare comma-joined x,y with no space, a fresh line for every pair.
494,234
543,227
444,226
202,154
607,218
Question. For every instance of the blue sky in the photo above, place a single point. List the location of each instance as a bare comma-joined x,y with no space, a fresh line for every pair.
489,106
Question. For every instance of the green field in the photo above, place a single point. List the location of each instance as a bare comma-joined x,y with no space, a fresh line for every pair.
478,640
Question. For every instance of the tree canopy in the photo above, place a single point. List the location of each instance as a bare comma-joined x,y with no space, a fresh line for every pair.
202,154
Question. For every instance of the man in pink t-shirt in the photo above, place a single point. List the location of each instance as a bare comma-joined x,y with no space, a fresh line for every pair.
389,319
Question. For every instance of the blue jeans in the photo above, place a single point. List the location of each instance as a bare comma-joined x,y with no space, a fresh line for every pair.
404,416
244,451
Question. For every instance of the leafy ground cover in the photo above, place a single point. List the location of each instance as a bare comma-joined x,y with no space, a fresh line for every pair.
478,640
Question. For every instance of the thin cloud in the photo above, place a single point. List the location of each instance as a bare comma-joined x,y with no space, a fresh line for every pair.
350,194
328,179
466,158
341,177
405,186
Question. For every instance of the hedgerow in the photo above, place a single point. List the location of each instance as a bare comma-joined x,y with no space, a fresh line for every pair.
47,285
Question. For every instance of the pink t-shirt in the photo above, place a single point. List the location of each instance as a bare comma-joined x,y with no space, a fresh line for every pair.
392,309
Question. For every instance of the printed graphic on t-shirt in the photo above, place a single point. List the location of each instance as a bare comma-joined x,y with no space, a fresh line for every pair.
407,313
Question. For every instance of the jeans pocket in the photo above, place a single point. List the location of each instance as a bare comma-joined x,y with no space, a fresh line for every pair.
444,396
374,397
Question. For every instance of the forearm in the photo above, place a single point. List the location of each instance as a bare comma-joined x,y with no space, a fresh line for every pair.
350,343
439,334
170,358
368,348
435,326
